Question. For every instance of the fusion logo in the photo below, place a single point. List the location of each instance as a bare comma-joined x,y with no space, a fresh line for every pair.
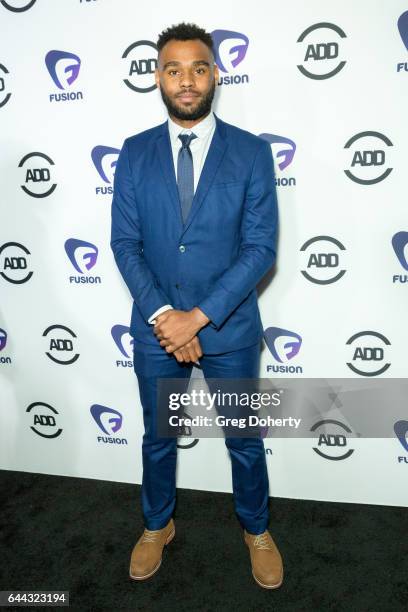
230,50
64,70
141,62
104,160
125,344
14,264
4,95
321,51
284,345
18,6
400,246
367,158
109,421
403,30
332,446
322,260
401,430
83,256
3,342
37,168
368,355
283,150
60,344
44,421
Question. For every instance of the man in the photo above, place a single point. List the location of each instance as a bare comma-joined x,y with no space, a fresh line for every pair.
194,222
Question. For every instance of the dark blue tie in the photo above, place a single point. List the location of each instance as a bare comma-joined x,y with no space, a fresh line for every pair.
185,174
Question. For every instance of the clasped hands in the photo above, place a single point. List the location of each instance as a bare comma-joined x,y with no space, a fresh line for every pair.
177,331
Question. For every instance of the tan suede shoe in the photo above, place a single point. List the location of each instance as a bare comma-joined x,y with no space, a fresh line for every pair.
147,554
267,567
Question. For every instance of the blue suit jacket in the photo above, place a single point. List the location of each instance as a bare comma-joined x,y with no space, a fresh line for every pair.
217,258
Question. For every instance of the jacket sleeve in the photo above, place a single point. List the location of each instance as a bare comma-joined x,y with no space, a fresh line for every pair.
258,242
127,241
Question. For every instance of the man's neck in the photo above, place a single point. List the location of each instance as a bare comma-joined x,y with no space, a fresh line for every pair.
188,123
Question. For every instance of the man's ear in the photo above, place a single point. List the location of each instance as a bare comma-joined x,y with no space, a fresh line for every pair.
157,77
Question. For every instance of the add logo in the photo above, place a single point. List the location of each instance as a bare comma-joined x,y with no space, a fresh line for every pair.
185,438
368,158
368,356
141,61
17,6
322,260
60,344
333,445
14,264
321,51
37,175
4,96
44,420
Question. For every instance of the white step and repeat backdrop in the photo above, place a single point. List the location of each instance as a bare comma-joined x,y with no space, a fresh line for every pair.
326,84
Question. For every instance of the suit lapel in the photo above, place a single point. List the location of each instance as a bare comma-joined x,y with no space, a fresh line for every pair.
213,159
167,164
214,156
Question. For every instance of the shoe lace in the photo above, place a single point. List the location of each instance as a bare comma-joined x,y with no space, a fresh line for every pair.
149,536
262,542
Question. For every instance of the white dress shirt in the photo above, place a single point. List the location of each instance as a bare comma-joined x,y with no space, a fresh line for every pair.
204,130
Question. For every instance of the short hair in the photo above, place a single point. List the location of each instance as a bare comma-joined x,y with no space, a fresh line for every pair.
185,31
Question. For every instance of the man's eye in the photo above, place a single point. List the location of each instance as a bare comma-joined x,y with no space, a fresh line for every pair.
200,70
172,72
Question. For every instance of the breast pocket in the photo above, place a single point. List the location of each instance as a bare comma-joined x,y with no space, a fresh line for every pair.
228,185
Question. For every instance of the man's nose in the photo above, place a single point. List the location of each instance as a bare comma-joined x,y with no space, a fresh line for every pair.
187,78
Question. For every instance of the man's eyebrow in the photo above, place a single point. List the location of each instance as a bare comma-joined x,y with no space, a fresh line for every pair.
175,63
171,63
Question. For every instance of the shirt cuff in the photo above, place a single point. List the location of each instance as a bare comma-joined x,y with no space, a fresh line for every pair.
152,320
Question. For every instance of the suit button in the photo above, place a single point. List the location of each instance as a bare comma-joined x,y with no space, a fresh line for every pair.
177,286
182,248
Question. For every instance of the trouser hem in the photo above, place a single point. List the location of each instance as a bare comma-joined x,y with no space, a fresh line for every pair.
154,525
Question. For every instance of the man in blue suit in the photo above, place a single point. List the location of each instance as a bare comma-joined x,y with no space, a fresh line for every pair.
194,221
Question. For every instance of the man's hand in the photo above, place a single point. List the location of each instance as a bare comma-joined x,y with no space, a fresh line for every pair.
190,352
175,328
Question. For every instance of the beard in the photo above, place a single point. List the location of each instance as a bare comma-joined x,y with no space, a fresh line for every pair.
192,114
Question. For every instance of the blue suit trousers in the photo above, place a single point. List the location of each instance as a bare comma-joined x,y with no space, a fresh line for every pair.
249,470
